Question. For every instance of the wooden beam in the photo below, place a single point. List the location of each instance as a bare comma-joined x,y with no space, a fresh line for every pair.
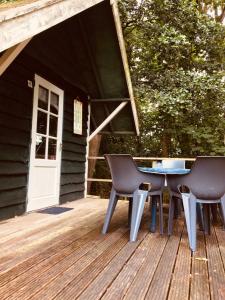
119,31
20,23
148,158
107,120
87,150
9,55
99,180
110,100
118,132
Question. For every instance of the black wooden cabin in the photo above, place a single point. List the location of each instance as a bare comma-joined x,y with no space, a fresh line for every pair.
82,55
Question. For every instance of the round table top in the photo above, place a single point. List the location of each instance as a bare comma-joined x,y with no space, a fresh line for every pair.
161,170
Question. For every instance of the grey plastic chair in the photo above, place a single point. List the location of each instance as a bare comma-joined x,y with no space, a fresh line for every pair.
206,185
126,180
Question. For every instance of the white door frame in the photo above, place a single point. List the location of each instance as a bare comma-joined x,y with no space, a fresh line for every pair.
39,81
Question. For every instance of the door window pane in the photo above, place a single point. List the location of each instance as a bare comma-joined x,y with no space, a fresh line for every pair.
40,147
43,98
41,122
53,126
52,144
54,104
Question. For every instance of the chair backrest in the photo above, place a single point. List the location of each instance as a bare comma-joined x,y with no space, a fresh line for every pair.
124,173
175,164
207,178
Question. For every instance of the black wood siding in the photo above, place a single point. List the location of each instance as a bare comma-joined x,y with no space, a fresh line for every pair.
16,103
15,128
73,154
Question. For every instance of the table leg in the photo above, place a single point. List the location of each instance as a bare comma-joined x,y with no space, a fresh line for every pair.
214,212
130,211
177,208
200,216
153,213
206,217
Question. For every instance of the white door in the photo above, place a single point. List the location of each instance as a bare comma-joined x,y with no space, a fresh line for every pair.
45,158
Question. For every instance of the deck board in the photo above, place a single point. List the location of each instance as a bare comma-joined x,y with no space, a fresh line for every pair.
215,267
98,287
66,257
160,283
181,272
199,276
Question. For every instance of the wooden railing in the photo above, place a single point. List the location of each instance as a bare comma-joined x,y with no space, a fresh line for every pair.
137,159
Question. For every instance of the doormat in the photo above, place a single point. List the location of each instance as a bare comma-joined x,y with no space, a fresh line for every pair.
55,210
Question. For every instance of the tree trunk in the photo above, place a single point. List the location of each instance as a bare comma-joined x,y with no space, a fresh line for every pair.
165,144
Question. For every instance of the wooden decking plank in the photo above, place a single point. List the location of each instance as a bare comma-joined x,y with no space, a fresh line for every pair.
199,275
25,223
17,238
98,287
46,259
179,287
140,284
220,234
25,253
75,262
30,223
35,228
74,289
83,264
159,285
71,291
43,266
215,267
121,284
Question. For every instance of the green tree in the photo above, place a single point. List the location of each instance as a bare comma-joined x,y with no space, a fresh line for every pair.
177,56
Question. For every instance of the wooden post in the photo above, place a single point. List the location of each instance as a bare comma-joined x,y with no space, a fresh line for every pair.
94,146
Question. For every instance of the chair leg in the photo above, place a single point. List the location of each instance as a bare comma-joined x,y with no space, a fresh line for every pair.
223,210
186,205
171,215
111,207
192,205
161,213
139,199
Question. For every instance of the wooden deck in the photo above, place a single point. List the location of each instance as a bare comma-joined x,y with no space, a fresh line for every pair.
64,256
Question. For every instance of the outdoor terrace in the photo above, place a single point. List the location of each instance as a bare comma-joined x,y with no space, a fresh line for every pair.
65,256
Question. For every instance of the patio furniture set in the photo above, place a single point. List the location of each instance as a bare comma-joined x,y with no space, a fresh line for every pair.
200,189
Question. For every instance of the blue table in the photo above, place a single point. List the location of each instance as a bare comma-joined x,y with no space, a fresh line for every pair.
165,171
160,170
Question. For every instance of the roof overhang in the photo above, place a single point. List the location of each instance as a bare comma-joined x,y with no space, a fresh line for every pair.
21,23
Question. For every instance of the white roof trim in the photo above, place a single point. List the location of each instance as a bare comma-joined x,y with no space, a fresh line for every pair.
10,54
20,23
125,62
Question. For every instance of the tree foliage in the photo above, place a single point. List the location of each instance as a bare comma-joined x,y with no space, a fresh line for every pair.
177,56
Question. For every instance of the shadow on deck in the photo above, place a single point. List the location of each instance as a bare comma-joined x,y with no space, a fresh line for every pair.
65,256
